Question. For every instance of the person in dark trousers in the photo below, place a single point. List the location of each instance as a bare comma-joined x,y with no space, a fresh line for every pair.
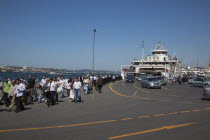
19,94
179,79
99,83
31,83
52,92
56,93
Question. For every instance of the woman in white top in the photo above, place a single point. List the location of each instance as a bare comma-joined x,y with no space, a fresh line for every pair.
68,87
71,90
86,82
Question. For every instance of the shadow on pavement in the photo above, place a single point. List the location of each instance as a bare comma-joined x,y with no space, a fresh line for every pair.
205,99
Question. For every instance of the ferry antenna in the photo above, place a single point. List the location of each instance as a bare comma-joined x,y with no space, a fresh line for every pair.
142,46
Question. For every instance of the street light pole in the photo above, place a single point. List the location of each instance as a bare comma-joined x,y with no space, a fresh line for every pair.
94,31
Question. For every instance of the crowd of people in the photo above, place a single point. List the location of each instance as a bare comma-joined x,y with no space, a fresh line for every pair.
22,92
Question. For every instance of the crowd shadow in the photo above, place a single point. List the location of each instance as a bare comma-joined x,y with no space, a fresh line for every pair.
205,99
6,109
2,110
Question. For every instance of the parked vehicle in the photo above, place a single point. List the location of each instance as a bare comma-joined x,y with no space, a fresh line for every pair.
130,78
140,77
151,82
206,92
198,81
206,82
162,80
190,80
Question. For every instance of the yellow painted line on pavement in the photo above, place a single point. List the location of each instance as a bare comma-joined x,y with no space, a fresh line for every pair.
172,113
127,119
166,88
159,115
141,89
110,87
184,111
99,122
207,108
196,110
153,130
152,92
135,93
144,116
38,128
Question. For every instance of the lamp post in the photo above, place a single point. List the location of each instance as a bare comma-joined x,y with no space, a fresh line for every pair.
94,31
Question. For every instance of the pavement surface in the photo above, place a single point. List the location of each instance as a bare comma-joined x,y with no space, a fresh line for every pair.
124,111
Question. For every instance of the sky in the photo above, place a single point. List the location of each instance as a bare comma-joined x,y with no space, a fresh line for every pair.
59,33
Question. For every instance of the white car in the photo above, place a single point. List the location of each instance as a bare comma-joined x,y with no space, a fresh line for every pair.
207,82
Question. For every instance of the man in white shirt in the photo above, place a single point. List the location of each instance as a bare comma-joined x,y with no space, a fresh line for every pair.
43,81
76,87
19,94
52,88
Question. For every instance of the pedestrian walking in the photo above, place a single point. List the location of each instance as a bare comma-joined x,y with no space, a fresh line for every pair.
61,85
99,83
19,94
68,88
77,89
179,79
52,90
86,83
12,96
40,93
36,87
71,90
31,83
6,90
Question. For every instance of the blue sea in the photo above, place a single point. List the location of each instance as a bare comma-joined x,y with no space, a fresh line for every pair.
16,75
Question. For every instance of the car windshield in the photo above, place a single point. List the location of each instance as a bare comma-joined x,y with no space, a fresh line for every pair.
152,79
160,78
207,80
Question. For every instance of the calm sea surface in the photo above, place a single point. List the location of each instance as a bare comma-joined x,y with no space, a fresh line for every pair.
15,75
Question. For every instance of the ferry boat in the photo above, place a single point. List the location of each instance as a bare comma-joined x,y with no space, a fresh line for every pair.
159,62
